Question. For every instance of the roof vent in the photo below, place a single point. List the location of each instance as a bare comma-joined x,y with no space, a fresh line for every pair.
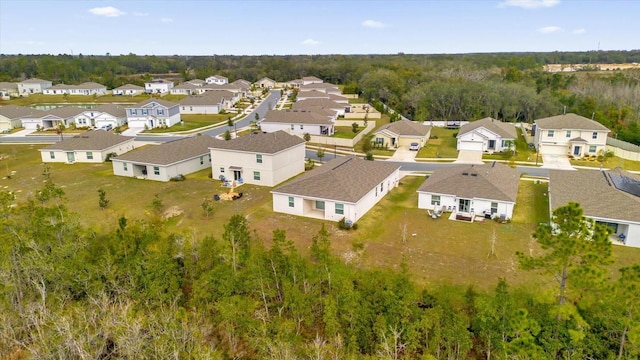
474,174
465,173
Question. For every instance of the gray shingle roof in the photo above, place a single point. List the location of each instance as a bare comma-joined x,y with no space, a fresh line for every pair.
170,152
8,85
112,109
165,103
317,102
504,130
569,121
260,142
16,112
208,98
406,128
66,111
595,192
186,86
311,78
34,81
296,117
318,86
345,179
96,140
491,181
129,87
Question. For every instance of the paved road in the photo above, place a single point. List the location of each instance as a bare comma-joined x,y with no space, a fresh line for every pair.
267,104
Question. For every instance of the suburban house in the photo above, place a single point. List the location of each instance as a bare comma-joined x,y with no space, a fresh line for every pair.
569,134
8,90
300,122
185,89
345,187
243,84
311,80
90,147
216,79
339,108
158,86
487,135
128,89
152,113
293,83
11,116
471,190
259,158
52,118
33,86
87,88
211,102
235,88
610,197
402,133
167,160
266,83
109,114
315,94
196,82
326,88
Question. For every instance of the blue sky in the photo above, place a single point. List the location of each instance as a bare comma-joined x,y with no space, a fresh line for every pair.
315,27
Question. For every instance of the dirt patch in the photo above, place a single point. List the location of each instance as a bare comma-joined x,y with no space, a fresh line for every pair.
173,212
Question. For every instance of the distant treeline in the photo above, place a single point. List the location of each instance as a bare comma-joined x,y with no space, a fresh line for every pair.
506,86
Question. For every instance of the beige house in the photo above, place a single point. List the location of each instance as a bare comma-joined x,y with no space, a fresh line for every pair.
266,83
487,135
259,158
345,187
402,133
569,134
311,104
167,160
89,147
11,116
8,90
300,122
128,89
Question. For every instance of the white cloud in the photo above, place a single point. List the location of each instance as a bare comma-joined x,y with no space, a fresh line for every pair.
530,4
310,41
550,29
108,11
373,24
135,13
166,20
579,31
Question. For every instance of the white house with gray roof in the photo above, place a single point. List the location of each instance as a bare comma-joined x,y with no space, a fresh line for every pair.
216,79
167,160
107,114
569,134
311,80
52,118
471,190
211,102
158,86
89,147
309,104
87,88
152,113
33,86
185,89
259,158
128,89
11,116
8,90
326,88
610,197
299,122
487,135
344,187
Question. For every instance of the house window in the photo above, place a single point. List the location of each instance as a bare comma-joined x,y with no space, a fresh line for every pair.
381,187
133,112
256,175
340,209
291,203
89,155
568,133
379,140
301,127
292,126
209,157
221,169
550,133
160,111
162,122
494,207
156,170
124,167
183,108
52,154
259,158
435,200
319,205
145,111
592,148
201,160
594,135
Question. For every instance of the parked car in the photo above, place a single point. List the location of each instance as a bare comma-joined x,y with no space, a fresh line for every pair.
414,146
107,127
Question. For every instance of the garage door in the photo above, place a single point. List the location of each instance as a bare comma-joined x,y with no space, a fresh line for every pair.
553,149
470,145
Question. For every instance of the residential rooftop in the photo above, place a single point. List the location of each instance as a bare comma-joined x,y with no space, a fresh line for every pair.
95,140
502,129
569,121
260,142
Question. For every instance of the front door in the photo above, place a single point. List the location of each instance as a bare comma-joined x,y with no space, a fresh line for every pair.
237,175
492,144
71,157
576,150
463,205
393,141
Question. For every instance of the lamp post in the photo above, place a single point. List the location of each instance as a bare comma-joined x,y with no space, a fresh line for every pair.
335,149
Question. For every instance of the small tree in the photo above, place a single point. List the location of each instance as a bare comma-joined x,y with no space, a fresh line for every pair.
369,156
257,116
157,206
227,135
207,207
229,122
354,127
306,137
366,144
102,199
320,153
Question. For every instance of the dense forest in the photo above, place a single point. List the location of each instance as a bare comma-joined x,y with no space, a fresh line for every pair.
141,291
506,86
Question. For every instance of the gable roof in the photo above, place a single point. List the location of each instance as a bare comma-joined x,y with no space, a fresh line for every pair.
406,128
595,192
242,83
208,98
260,142
491,181
569,121
170,152
65,111
112,109
312,94
129,87
96,140
346,178
165,103
317,102
159,81
186,86
266,79
502,129
311,78
8,85
16,112
297,117
305,87
196,82
34,81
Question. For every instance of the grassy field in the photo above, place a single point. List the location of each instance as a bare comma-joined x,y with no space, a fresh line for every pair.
194,121
609,163
80,99
445,146
345,132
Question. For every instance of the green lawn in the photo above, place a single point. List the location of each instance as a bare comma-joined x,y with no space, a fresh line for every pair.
445,146
523,152
345,132
80,99
194,121
609,163
358,101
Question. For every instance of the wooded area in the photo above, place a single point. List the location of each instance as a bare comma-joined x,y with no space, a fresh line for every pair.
506,86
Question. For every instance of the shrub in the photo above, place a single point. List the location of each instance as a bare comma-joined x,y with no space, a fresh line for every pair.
110,155
455,134
178,177
345,224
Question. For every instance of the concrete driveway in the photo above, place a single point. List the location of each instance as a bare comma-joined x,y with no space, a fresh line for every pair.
403,153
469,157
559,162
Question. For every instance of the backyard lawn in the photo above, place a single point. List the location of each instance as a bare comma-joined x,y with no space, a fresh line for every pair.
194,121
523,152
346,132
445,146
36,99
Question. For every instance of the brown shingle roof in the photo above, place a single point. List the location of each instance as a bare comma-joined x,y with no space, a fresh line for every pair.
260,142
569,121
492,181
96,140
345,179
296,117
16,112
170,152
595,192
406,128
504,130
